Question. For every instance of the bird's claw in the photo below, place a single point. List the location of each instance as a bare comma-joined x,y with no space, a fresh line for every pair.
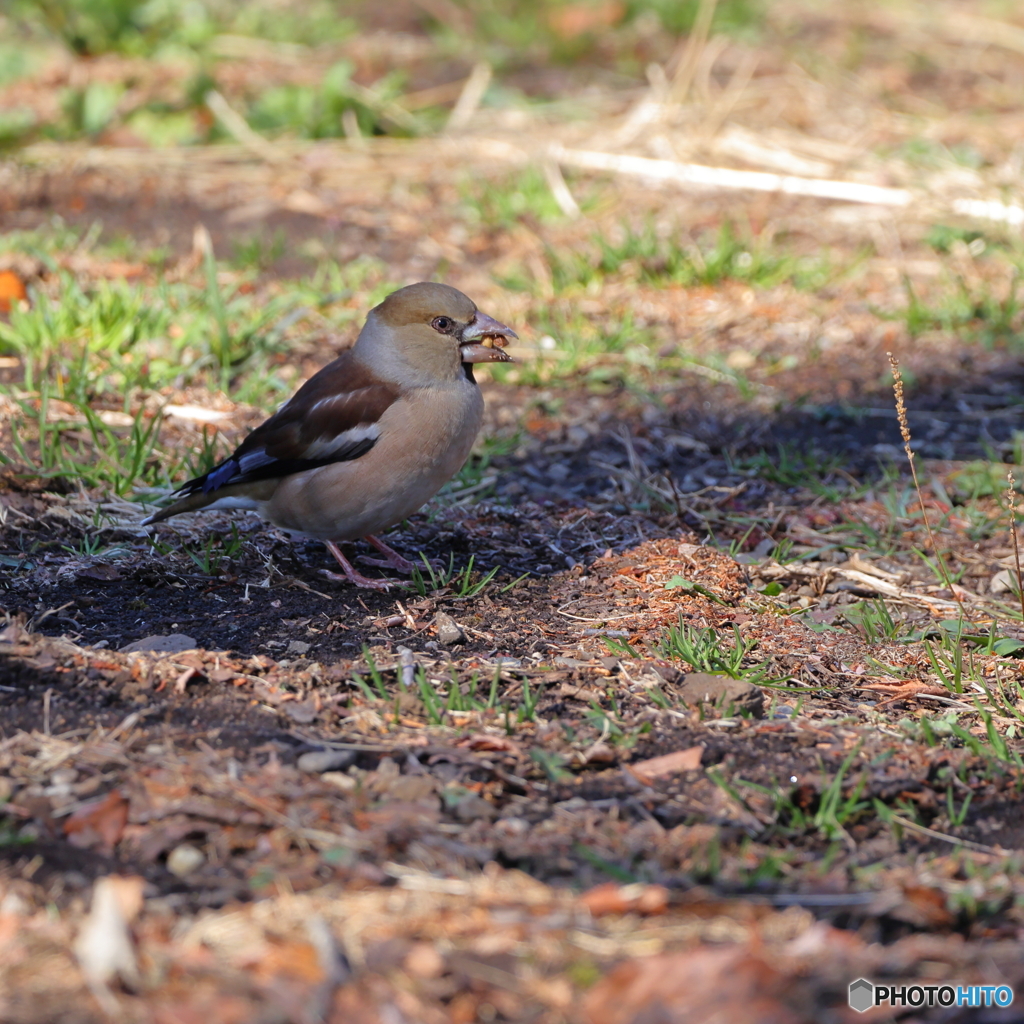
399,564
392,559
359,580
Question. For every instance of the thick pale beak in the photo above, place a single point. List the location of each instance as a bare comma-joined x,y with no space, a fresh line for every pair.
484,339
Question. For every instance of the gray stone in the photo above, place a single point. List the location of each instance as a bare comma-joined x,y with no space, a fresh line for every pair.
722,691
448,630
472,807
325,760
173,643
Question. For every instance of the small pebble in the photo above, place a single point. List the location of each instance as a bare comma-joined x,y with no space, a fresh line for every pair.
344,782
173,643
184,859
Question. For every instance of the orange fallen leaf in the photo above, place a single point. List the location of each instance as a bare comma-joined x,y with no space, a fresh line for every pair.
605,899
98,823
612,898
575,20
481,741
297,960
12,289
687,760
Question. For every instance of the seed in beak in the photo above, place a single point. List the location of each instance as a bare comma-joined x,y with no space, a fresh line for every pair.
493,341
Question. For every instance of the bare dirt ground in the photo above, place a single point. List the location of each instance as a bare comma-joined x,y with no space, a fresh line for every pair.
518,799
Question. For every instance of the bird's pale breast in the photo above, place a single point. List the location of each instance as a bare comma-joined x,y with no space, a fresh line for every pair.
426,437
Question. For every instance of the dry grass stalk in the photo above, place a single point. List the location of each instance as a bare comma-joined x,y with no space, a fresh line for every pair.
470,97
689,59
1011,501
238,128
901,415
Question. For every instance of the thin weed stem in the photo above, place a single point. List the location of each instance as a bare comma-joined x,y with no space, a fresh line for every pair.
901,415
1011,501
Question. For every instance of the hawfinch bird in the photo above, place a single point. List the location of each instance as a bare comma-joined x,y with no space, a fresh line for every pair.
370,437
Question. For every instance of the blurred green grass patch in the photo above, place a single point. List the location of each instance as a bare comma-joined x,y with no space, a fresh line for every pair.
162,127
318,112
984,478
505,201
132,27
16,61
602,352
16,125
89,110
979,310
733,17
660,256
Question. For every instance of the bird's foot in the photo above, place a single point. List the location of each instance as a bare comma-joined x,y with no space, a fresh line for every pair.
357,579
351,574
391,560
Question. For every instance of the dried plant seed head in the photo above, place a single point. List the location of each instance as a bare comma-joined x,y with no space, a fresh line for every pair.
901,406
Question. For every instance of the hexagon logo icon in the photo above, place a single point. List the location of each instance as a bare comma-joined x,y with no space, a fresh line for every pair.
862,995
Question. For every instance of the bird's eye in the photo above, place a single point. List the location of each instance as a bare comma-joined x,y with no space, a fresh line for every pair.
442,324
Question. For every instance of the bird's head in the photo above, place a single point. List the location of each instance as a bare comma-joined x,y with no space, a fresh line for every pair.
435,331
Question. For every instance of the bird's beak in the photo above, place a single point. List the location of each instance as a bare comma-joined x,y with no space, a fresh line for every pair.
483,341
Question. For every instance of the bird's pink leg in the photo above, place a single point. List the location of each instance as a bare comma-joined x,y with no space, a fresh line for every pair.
351,574
391,560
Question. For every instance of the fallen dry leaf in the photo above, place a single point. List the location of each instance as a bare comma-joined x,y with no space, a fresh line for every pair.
481,741
692,987
578,19
98,823
612,898
104,945
687,760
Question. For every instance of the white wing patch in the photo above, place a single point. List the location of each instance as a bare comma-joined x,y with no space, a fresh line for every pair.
322,447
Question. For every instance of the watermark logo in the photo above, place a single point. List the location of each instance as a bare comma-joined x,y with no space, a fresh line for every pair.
864,994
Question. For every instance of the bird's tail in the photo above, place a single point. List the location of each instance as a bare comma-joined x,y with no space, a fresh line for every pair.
189,503
242,496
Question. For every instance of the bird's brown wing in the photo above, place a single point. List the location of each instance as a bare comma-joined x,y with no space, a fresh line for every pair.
333,417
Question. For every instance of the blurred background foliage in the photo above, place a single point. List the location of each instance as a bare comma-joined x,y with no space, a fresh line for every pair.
197,45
